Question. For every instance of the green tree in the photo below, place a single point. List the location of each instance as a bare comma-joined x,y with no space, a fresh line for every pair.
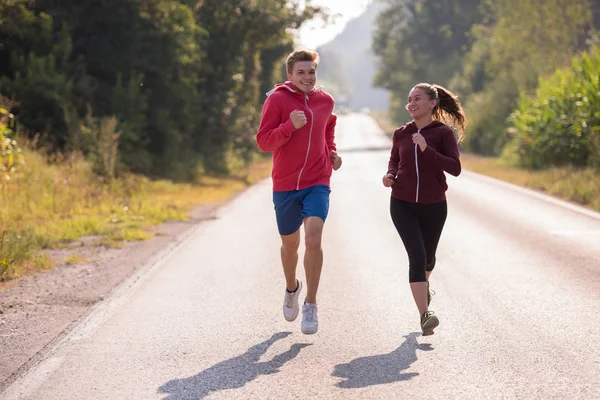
180,81
421,41
560,124
238,33
45,85
509,56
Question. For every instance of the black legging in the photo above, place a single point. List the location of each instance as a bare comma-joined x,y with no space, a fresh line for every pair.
420,227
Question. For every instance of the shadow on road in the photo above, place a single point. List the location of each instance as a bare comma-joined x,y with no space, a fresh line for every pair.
233,373
383,368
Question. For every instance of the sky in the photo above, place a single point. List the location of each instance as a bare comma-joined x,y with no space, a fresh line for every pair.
315,33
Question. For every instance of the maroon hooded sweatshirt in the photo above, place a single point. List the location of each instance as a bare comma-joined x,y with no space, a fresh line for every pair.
419,175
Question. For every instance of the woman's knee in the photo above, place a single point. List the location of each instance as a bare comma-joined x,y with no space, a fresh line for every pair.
430,265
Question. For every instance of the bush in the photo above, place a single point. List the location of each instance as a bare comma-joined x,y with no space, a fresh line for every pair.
560,124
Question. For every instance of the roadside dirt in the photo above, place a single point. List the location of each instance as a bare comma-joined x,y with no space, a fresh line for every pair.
37,311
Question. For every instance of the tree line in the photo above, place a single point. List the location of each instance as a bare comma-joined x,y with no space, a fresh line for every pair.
166,88
526,71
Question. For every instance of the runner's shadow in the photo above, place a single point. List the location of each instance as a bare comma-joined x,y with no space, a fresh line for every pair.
233,373
383,368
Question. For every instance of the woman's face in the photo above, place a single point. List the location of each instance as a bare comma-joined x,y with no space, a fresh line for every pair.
419,104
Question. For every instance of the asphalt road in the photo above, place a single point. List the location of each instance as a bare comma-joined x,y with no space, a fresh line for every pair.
517,288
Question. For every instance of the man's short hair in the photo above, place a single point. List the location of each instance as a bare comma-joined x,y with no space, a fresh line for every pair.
301,55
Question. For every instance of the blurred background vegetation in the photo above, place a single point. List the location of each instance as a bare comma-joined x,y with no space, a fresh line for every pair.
165,88
526,71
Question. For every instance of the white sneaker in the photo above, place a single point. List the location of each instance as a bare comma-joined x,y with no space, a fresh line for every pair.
310,321
290,303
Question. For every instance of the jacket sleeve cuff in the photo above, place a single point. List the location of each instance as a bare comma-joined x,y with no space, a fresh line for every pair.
288,127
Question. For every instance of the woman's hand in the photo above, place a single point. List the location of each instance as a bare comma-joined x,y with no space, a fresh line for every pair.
388,180
417,138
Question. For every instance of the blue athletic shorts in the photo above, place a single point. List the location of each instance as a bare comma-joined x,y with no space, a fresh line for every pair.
294,205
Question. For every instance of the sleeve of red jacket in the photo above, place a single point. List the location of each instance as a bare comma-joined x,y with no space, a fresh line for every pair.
449,157
330,133
272,132
394,156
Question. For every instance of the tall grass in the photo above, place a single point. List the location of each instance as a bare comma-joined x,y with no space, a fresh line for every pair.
579,185
49,203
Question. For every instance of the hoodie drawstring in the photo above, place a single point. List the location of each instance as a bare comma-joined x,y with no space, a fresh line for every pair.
417,167
312,120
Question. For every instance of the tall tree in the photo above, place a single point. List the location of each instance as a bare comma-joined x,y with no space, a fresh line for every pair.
510,56
421,41
182,77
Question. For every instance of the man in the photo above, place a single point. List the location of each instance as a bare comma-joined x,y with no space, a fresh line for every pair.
298,126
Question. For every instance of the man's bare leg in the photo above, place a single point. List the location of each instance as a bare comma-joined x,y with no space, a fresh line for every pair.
313,257
289,258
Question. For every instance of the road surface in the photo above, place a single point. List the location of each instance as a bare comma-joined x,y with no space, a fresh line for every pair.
517,283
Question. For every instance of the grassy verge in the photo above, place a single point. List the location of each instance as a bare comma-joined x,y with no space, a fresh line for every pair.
47,205
581,186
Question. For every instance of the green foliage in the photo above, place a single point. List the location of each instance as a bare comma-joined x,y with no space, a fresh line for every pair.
44,86
183,78
509,56
22,31
560,124
421,41
10,153
485,51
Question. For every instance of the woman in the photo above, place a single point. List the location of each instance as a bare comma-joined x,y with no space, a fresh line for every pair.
422,150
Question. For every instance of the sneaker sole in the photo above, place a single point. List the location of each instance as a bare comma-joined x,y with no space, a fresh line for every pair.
430,325
309,332
291,319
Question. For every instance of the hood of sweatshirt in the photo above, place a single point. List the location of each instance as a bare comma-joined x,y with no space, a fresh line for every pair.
435,124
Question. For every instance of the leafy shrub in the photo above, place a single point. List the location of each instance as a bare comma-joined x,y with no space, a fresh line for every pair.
560,124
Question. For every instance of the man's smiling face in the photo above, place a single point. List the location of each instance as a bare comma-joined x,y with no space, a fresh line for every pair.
304,75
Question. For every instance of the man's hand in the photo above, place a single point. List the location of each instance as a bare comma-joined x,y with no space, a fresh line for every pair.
388,180
336,160
298,118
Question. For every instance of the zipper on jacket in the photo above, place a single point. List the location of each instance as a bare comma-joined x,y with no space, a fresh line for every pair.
312,119
417,166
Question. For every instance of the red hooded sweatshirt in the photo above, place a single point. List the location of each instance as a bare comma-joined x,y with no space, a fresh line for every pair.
419,175
300,156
